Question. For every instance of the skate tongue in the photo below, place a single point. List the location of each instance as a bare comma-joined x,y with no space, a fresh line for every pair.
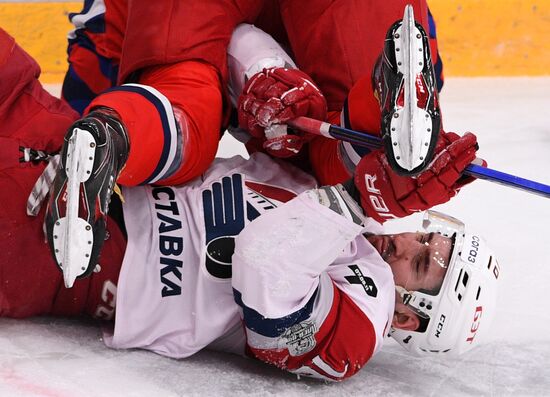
411,126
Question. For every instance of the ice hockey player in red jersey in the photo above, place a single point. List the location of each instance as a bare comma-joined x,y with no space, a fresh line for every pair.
255,242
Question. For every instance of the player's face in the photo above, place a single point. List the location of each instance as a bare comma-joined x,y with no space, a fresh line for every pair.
418,260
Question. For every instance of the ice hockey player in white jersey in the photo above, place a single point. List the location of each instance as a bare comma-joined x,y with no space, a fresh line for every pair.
315,283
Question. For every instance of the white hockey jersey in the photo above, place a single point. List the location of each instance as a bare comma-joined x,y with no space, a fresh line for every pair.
315,297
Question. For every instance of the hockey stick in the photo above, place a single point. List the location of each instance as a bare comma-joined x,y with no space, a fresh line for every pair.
317,127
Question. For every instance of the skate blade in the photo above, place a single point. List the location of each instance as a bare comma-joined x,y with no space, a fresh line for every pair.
73,256
73,236
411,127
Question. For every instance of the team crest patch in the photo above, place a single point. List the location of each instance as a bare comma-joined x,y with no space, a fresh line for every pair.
300,338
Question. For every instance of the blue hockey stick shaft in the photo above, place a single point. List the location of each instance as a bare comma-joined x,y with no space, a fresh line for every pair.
364,139
505,179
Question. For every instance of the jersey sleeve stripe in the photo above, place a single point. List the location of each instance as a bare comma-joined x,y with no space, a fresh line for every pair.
272,327
171,157
328,369
322,303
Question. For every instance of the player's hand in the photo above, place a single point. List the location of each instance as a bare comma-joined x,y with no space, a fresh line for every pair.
385,195
271,98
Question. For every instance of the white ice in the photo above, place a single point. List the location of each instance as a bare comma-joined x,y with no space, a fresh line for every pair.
54,357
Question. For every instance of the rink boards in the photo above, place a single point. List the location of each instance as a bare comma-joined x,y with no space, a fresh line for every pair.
476,38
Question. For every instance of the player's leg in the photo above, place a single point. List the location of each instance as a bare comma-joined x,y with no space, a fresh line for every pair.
351,47
94,49
343,40
405,86
171,119
164,131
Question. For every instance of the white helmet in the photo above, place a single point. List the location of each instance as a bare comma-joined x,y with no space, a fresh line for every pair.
461,312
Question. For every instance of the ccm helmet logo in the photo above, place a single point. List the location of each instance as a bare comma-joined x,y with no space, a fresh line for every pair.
474,249
439,326
475,324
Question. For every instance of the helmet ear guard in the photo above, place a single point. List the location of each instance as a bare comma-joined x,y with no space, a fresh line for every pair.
456,317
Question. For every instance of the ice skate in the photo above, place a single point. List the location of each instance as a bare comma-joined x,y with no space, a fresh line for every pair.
94,152
404,81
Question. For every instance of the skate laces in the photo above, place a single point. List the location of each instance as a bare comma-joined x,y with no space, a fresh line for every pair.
44,182
32,155
118,191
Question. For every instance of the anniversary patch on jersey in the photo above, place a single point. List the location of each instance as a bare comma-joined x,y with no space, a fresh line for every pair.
366,282
300,338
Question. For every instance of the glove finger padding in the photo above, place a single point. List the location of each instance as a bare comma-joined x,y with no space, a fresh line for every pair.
275,96
384,194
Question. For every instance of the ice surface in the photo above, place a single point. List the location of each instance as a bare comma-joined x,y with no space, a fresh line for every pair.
52,357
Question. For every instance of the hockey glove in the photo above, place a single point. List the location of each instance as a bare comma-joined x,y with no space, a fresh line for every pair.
386,195
274,96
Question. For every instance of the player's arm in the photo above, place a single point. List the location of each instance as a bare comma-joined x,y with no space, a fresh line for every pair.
268,90
290,277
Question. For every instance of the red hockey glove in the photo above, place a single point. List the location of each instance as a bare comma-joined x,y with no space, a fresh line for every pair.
274,96
385,195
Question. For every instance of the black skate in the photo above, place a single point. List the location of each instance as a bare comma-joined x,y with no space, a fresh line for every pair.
95,150
405,83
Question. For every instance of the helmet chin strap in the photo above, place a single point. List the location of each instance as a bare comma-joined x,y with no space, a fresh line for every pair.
407,296
403,293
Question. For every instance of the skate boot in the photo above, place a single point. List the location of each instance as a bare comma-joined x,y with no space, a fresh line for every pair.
404,81
94,151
